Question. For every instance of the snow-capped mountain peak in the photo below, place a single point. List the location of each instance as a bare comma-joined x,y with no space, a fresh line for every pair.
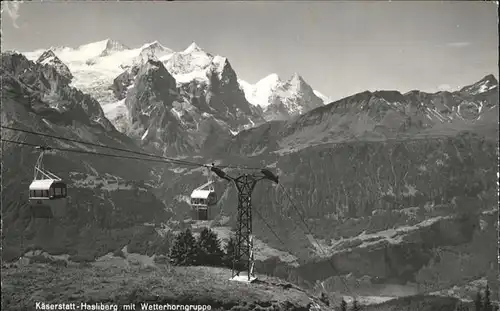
154,50
156,46
260,93
49,58
93,49
193,48
279,98
486,84
190,64
296,82
113,46
154,43
296,77
268,82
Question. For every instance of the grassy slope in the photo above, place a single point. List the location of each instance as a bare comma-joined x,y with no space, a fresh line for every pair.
24,286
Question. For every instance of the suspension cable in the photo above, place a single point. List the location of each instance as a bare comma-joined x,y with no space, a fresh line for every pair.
173,160
96,153
316,241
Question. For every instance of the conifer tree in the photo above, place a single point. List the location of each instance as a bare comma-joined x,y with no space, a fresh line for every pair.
209,249
343,305
461,307
177,252
184,251
487,306
355,306
478,302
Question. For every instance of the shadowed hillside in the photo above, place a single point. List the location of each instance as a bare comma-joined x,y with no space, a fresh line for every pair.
106,202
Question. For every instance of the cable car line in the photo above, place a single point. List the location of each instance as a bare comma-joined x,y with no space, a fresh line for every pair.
303,220
99,145
270,229
173,160
94,153
268,226
316,241
189,163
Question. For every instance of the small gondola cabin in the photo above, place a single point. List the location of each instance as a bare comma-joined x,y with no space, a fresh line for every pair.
201,202
48,198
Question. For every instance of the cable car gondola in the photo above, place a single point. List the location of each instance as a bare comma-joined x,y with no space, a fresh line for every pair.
203,198
47,192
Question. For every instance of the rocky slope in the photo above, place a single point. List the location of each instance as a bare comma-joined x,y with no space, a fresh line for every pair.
50,59
107,204
150,104
207,83
173,119
282,100
95,65
99,71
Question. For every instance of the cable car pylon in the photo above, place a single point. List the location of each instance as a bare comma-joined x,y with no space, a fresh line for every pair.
243,259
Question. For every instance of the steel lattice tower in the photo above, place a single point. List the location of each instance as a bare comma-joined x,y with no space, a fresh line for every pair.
243,259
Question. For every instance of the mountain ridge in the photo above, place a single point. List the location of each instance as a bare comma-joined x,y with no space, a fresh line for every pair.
95,66
389,114
192,65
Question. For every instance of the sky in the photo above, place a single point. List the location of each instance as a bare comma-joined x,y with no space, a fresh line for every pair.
339,48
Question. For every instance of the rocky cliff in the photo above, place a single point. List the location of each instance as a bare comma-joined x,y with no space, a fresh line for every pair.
106,202
281,100
167,117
